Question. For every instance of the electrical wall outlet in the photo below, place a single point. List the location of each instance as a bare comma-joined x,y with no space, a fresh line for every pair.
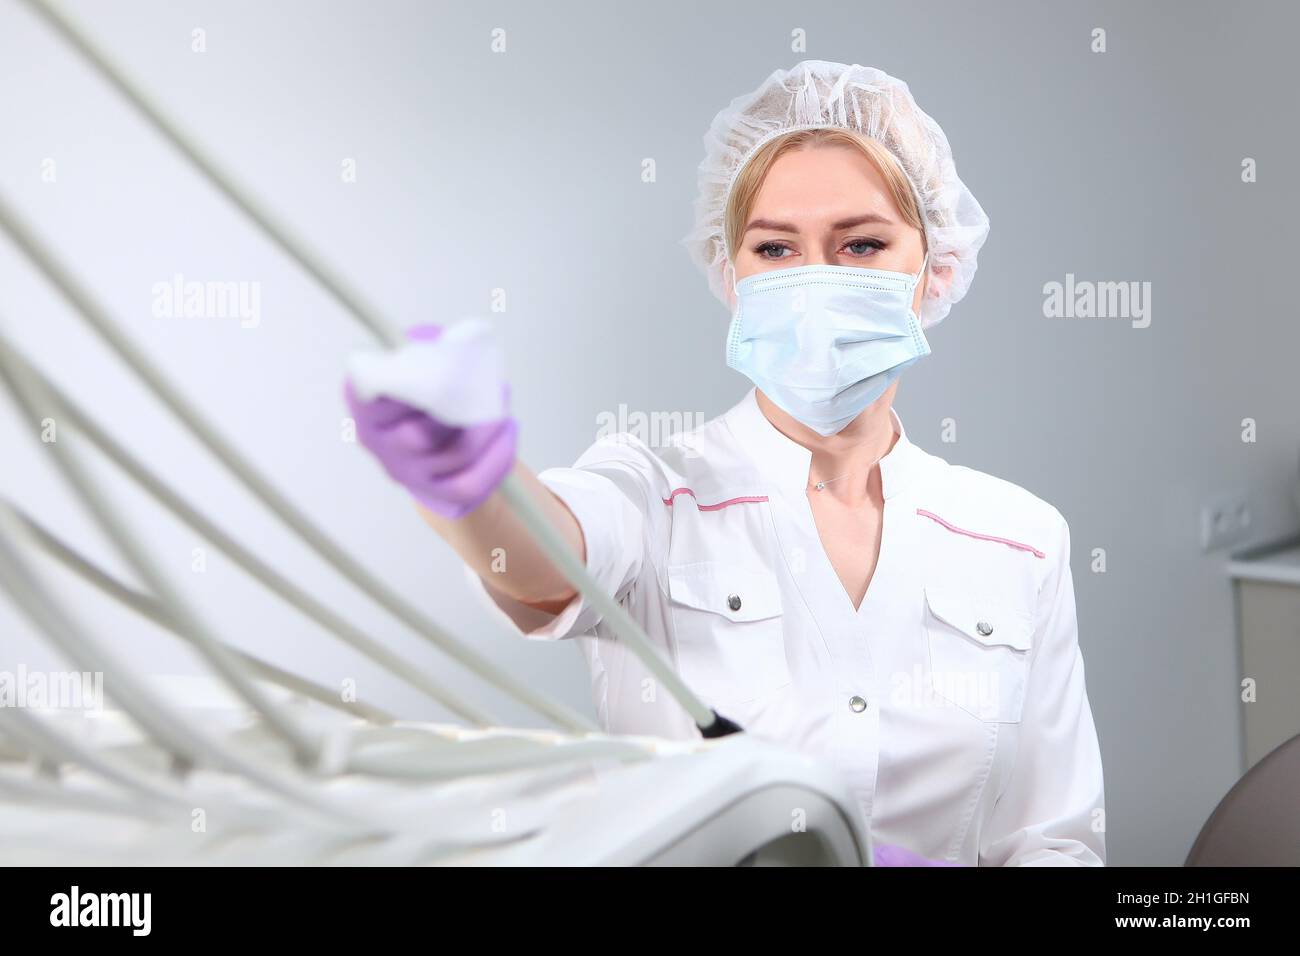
1225,520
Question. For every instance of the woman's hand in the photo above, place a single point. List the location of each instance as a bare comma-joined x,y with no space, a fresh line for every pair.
449,469
887,854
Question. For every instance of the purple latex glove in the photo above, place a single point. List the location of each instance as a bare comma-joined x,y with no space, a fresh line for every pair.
887,854
449,469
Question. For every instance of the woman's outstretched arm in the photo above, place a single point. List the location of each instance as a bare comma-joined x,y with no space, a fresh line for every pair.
496,546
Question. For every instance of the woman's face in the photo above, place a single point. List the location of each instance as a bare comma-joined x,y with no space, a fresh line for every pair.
827,205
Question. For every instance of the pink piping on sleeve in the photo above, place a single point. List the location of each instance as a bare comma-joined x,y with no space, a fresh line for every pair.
719,506
984,537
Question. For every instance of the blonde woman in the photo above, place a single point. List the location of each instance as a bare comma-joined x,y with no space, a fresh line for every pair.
811,573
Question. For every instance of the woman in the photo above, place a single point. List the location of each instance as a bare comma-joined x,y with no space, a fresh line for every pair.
813,574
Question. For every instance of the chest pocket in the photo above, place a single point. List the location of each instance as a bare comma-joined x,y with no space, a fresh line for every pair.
728,626
979,653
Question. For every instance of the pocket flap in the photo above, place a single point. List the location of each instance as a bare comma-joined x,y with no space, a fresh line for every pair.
736,593
985,621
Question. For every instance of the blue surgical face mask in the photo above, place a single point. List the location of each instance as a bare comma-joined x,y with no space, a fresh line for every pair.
824,342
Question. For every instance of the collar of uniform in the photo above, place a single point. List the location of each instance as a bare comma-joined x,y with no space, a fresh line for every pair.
786,462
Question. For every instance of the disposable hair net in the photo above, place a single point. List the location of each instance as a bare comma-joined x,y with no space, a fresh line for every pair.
818,94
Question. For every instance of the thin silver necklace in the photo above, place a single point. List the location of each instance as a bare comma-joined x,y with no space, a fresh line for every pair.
821,485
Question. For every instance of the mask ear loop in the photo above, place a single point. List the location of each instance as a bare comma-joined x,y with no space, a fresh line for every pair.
912,313
921,275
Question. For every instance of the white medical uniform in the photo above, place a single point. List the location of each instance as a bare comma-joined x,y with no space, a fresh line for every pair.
952,699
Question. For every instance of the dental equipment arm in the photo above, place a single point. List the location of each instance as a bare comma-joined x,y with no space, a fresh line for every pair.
434,414
710,723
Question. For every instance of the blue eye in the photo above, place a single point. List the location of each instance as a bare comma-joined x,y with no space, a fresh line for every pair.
869,244
767,247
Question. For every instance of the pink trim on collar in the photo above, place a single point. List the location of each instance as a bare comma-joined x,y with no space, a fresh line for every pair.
719,506
984,537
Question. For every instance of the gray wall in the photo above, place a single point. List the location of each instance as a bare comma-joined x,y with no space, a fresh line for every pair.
521,171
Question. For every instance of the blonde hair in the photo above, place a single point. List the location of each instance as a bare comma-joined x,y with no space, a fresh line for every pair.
744,191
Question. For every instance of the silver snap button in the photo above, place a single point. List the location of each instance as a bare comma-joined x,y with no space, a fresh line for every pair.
984,627
733,602
857,705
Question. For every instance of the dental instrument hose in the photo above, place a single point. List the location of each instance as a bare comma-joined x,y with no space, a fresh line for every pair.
709,722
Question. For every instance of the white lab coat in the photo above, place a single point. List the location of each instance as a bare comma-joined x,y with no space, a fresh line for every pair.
952,699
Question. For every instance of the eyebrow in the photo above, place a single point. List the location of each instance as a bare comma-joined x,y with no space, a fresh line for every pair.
849,223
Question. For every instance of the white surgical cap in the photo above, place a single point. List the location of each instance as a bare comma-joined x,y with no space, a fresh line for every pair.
819,94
